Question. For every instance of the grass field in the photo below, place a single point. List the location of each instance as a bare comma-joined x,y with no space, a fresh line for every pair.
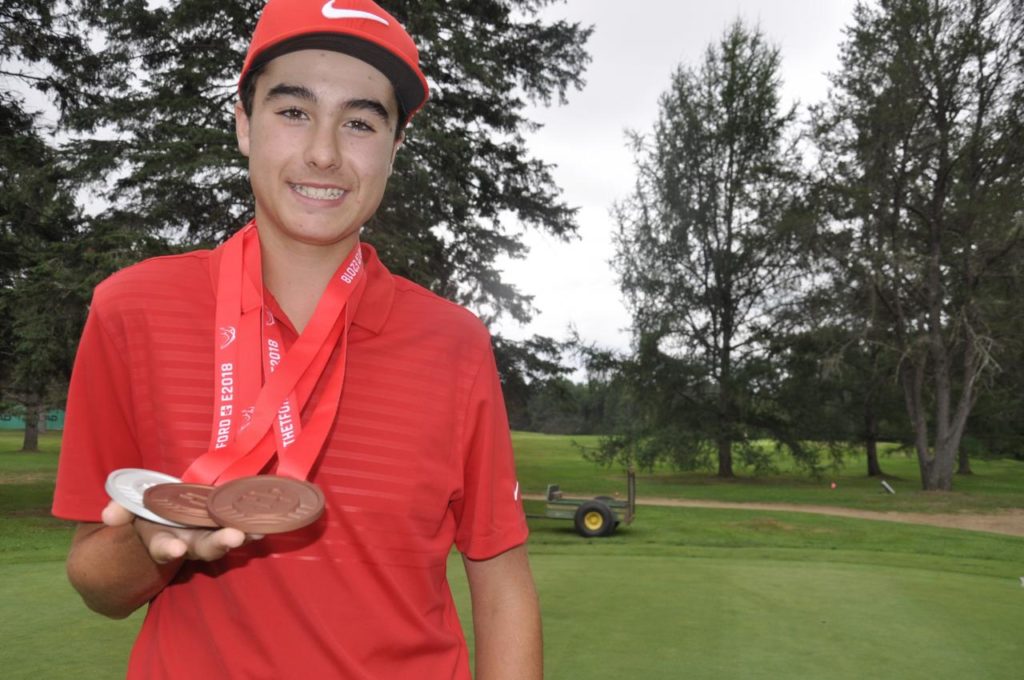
691,593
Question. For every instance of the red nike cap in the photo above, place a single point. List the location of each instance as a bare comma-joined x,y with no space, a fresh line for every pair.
359,28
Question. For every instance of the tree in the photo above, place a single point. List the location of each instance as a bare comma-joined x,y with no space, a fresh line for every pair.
921,136
839,383
994,426
42,306
525,368
42,294
45,311
165,88
838,389
145,91
707,256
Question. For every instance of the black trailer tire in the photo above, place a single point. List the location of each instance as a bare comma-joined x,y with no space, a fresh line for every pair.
594,518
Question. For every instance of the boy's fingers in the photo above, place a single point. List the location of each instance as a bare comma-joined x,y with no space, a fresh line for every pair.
115,515
165,547
216,544
166,544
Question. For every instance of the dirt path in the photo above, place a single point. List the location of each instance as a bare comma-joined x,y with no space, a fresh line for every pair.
1010,522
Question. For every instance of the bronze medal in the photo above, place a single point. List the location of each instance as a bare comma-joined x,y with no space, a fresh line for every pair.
266,504
182,503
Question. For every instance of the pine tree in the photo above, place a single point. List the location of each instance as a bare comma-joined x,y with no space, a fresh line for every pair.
921,137
42,282
706,254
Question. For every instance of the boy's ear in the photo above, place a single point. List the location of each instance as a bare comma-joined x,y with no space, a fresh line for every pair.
242,128
394,152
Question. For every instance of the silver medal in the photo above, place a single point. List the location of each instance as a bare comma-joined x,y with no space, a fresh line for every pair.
127,486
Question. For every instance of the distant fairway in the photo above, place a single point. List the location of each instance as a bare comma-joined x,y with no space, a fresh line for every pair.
683,593
996,484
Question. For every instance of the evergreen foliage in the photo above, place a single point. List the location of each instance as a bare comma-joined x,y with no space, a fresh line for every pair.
921,139
143,95
156,133
708,257
747,322
42,283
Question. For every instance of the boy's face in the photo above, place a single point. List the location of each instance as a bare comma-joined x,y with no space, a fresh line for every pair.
320,143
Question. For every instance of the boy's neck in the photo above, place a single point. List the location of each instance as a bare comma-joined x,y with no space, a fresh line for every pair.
297,274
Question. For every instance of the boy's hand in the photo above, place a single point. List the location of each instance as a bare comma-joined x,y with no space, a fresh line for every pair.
167,544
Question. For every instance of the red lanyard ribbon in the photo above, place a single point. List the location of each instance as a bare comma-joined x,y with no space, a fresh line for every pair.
260,389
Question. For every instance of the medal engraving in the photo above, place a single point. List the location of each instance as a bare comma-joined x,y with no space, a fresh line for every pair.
266,504
184,503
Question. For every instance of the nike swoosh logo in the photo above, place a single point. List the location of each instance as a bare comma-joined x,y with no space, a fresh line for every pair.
332,12
515,493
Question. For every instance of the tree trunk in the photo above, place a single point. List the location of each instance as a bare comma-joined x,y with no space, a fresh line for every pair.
912,375
725,425
963,466
31,441
938,474
871,441
937,469
874,469
725,457
935,462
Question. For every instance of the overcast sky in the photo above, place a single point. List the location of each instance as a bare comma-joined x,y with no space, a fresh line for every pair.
635,46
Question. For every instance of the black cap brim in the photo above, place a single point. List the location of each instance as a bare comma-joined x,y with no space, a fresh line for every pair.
408,89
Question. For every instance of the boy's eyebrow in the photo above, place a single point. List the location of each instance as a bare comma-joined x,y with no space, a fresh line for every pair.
285,90
303,92
371,105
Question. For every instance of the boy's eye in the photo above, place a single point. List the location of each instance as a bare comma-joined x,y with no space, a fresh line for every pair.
360,125
292,113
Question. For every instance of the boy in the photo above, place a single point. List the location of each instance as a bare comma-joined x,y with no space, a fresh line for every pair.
197,365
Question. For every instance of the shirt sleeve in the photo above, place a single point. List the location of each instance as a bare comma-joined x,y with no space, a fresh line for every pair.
98,433
489,514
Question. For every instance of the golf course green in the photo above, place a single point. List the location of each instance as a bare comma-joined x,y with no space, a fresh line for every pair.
681,593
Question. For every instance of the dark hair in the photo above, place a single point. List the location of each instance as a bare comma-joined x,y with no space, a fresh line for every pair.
247,93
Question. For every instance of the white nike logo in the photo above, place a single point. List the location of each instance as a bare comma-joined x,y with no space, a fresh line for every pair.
332,12
515,494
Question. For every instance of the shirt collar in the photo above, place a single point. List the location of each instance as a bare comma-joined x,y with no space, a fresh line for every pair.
375,306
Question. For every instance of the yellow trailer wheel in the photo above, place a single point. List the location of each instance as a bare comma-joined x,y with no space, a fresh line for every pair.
594,518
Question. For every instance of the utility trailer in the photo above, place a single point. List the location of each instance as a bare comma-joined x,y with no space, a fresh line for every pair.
598,516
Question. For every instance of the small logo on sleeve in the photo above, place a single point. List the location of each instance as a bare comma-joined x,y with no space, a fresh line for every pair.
515,492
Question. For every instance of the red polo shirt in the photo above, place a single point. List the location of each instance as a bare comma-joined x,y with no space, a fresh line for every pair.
419,458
